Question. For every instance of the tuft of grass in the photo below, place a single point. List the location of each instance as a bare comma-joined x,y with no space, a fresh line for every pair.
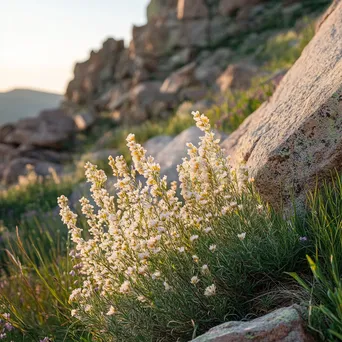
324,224
282,50
32,195
36,282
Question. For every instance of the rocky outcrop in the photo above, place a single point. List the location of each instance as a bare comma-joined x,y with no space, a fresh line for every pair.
283,325
296,138
39,142
185,45
236,76
50,129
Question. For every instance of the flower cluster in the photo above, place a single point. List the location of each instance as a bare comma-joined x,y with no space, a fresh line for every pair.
5,326
133,235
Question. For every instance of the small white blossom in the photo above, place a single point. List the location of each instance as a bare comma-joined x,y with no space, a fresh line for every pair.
194,280
125,287
167,286
195,258
241,236
87,308
193,238
212,248
205,269
210,290
111,311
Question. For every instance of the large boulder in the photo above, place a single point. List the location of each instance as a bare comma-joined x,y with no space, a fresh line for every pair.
154,145
147,101
231,7
173,153
236,76
160,36
52,128
282,325
6,152
295,139
211,66
84,119
160,8
18,167
5,130
191,9
181,78
91,76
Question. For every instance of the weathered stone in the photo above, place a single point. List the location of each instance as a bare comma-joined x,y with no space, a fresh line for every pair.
160,8
17,167
156,144
6,152
229,7
99,156
124,66
283,325
296,138
148,101
193,93
157,38
236,76
52,128
84,119
211,67
180,58
48,155
195,33
5,130
181,78
223,29
191,9
171,155
114,97
92,75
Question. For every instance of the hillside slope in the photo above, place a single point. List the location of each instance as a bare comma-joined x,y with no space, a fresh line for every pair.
20,103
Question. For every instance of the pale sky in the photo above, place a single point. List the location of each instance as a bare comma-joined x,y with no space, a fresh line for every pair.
40,40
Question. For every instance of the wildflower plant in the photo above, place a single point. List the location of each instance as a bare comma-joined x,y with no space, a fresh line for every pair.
157,266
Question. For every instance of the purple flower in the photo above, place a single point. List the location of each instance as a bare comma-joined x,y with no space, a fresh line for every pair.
8,326
45,339
303,239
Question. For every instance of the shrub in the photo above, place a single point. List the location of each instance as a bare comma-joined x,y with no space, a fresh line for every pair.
158,268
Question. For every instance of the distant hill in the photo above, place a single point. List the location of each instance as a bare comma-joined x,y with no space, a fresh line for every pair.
22,103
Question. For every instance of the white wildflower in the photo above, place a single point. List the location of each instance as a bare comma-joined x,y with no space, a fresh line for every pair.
195,258
167,286
125,287
212,248
194,280
205,269
208,230
193,238
210,290
87,308
241,236
111,311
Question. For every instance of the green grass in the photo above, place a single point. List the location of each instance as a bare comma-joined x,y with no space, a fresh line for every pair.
324,224
252,276
35,282
34,197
